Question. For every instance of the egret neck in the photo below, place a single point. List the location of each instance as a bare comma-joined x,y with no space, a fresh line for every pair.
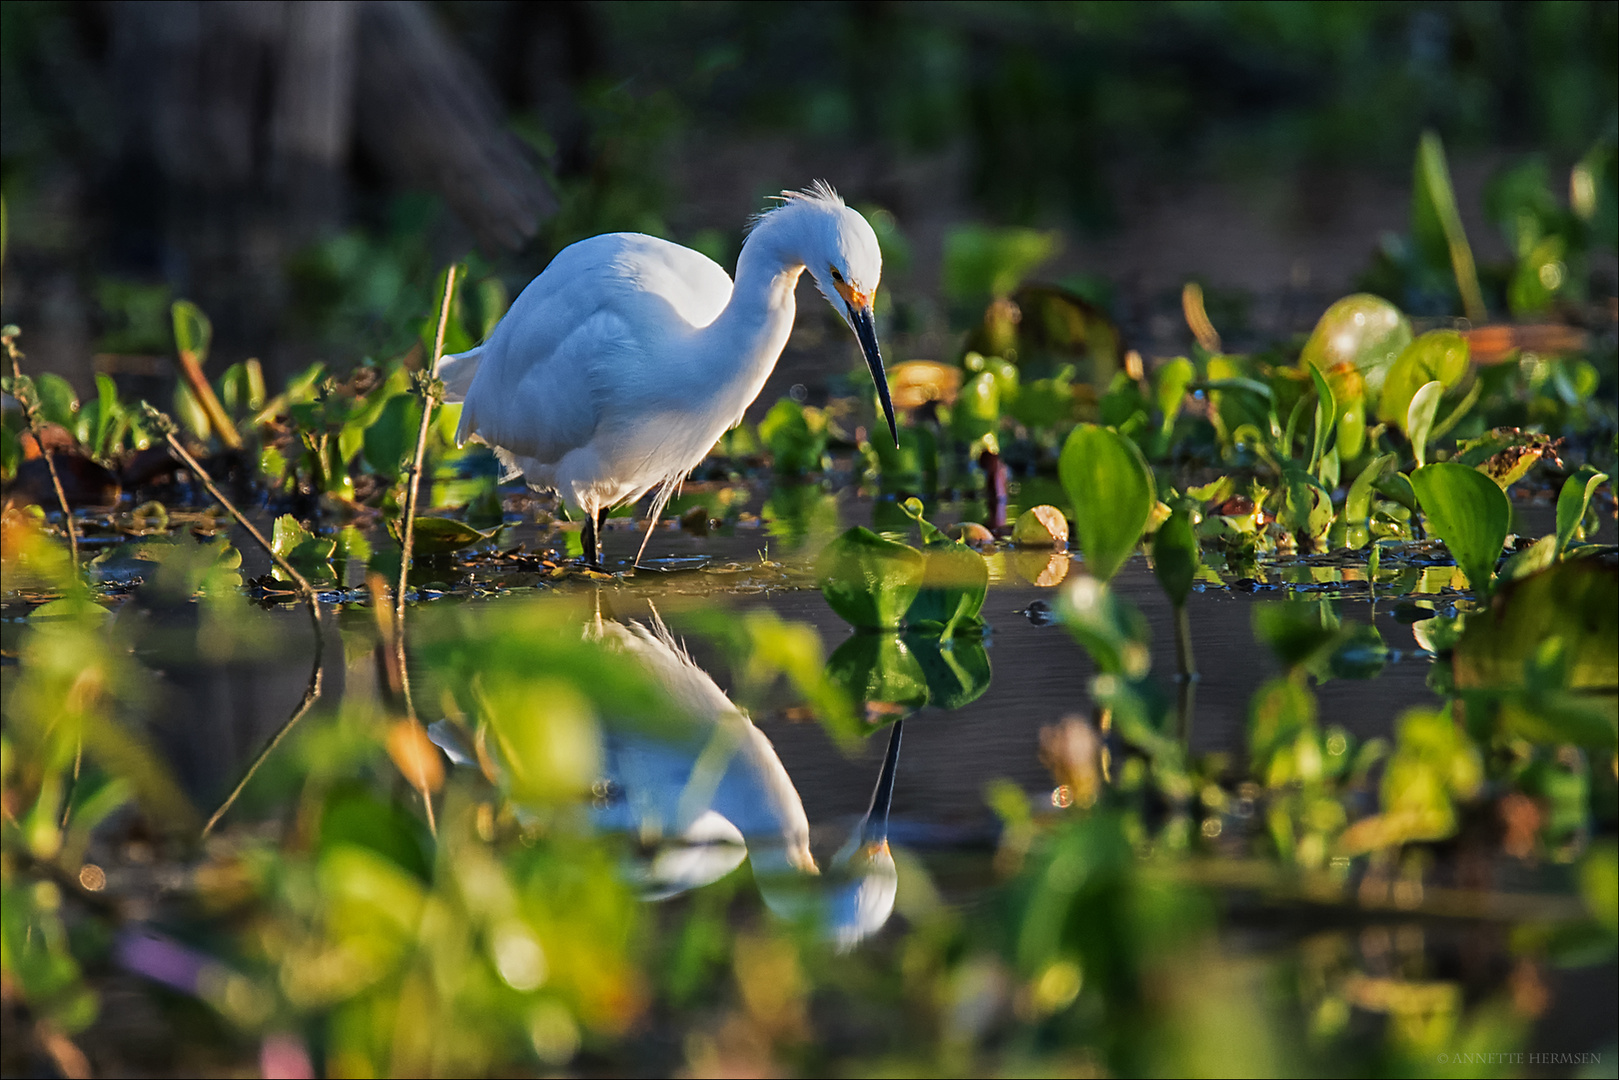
754,327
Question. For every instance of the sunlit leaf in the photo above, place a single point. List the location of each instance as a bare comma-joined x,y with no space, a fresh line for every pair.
1437,356
1419,418
1572,502
870,582
1112,493
1466,510
1175,556
1363,330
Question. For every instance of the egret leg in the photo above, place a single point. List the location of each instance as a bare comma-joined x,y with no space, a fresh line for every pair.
595,523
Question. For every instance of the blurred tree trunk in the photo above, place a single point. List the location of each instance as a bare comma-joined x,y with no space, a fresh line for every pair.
240,125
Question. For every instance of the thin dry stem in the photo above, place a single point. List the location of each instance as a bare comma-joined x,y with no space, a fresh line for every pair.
304,588
30,405
413,488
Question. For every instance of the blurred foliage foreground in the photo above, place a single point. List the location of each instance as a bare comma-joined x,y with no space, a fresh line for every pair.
466,896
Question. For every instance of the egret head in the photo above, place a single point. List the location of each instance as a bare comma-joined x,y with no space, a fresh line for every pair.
840,252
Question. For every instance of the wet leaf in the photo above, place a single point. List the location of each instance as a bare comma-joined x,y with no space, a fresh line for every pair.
1175,556
1420,417
1437,356
870,582
1112,493
1466,510
1364,330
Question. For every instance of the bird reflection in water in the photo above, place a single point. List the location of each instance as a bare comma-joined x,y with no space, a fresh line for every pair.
702,805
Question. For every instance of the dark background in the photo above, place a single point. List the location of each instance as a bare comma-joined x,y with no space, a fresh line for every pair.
301,169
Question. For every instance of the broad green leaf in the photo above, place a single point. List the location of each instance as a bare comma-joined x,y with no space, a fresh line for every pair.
870,582
1419,419
392,437
1112,493
1175,556
1439,355
1469,513
1308,507
1572,502
955,579
879,669
1363,330
58,404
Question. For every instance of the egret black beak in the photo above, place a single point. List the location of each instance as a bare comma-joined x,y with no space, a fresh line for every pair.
866,331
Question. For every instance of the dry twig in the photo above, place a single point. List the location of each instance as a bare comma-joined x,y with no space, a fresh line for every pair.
23,391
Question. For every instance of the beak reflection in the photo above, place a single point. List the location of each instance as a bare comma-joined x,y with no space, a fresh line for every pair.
866,331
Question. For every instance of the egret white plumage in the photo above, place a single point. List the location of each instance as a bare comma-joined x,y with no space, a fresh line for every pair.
619,367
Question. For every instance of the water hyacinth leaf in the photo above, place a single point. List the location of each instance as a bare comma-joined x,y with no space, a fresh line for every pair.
1308,508
1170,383
955,580
1326,417
957,671
1466,510
298,545
391,437
441,535
1419,418
1572,502
1437,356
1041,527
1358,503
1363,330
1505,454
1112,493
1531,560
880,670
869,581
1175,556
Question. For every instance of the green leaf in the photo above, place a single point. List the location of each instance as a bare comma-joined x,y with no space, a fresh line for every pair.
441,535
1572,502
391,438
1358,503
1169,389
955,580
1175,555
1363,330
58,404
1308,510
977,411
1326,417
982,262
1531,560
1112,493
870,582
1439,355
1419,420
193,333
879,669
1469,513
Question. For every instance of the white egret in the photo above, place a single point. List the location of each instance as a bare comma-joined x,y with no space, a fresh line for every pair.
617,369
